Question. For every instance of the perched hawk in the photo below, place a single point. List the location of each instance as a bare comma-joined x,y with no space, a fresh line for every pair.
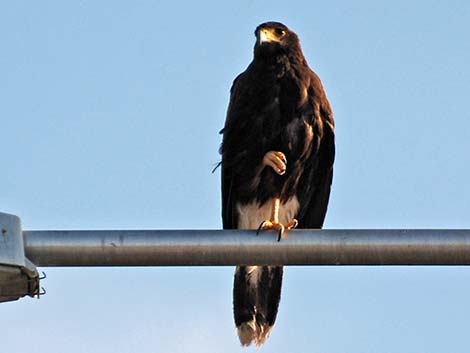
277,164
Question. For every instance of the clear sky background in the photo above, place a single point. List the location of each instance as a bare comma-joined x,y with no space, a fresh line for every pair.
110,113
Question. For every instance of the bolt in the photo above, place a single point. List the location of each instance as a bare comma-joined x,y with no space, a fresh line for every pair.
4,232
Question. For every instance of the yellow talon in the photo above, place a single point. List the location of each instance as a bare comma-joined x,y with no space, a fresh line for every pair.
274,224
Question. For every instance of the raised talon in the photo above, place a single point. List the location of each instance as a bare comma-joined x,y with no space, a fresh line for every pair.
276,160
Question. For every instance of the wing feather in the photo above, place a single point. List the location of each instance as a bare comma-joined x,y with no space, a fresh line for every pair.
315,183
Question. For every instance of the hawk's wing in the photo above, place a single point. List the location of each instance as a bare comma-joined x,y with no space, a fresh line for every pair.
315,183
229,217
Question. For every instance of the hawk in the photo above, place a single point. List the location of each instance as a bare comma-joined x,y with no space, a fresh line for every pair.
277,164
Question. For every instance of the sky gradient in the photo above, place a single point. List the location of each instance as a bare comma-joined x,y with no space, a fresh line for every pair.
110,115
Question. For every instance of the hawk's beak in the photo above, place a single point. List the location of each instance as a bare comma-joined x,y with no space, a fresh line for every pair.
267,36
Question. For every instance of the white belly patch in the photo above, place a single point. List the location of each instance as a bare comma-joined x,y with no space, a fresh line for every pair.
252,214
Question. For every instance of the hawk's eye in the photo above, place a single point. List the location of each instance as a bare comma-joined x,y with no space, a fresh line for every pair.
280,32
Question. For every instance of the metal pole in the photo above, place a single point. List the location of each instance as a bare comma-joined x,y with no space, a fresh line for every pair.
236,247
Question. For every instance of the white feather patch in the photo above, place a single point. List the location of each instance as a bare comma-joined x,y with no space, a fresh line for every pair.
247,332
250,332
252,214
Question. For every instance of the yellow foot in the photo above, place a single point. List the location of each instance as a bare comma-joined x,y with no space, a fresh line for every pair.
276,160
272,225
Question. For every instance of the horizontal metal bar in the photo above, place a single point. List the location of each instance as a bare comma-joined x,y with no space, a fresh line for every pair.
237,247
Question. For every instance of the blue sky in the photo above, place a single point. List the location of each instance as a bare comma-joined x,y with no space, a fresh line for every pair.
110,113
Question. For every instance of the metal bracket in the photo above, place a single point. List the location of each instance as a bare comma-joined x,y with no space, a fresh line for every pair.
18,275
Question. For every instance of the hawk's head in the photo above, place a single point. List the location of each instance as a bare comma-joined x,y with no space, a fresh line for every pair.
275,37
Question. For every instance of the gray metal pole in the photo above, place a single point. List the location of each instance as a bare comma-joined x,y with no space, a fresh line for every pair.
235,247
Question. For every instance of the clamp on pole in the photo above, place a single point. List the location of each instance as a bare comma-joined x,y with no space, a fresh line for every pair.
18,276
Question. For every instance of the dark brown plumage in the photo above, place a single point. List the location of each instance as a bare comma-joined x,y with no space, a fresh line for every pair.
277,104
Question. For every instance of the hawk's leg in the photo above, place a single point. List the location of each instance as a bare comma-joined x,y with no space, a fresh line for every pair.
278,162
274,224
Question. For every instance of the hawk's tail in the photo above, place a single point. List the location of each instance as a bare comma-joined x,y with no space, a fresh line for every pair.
256,296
